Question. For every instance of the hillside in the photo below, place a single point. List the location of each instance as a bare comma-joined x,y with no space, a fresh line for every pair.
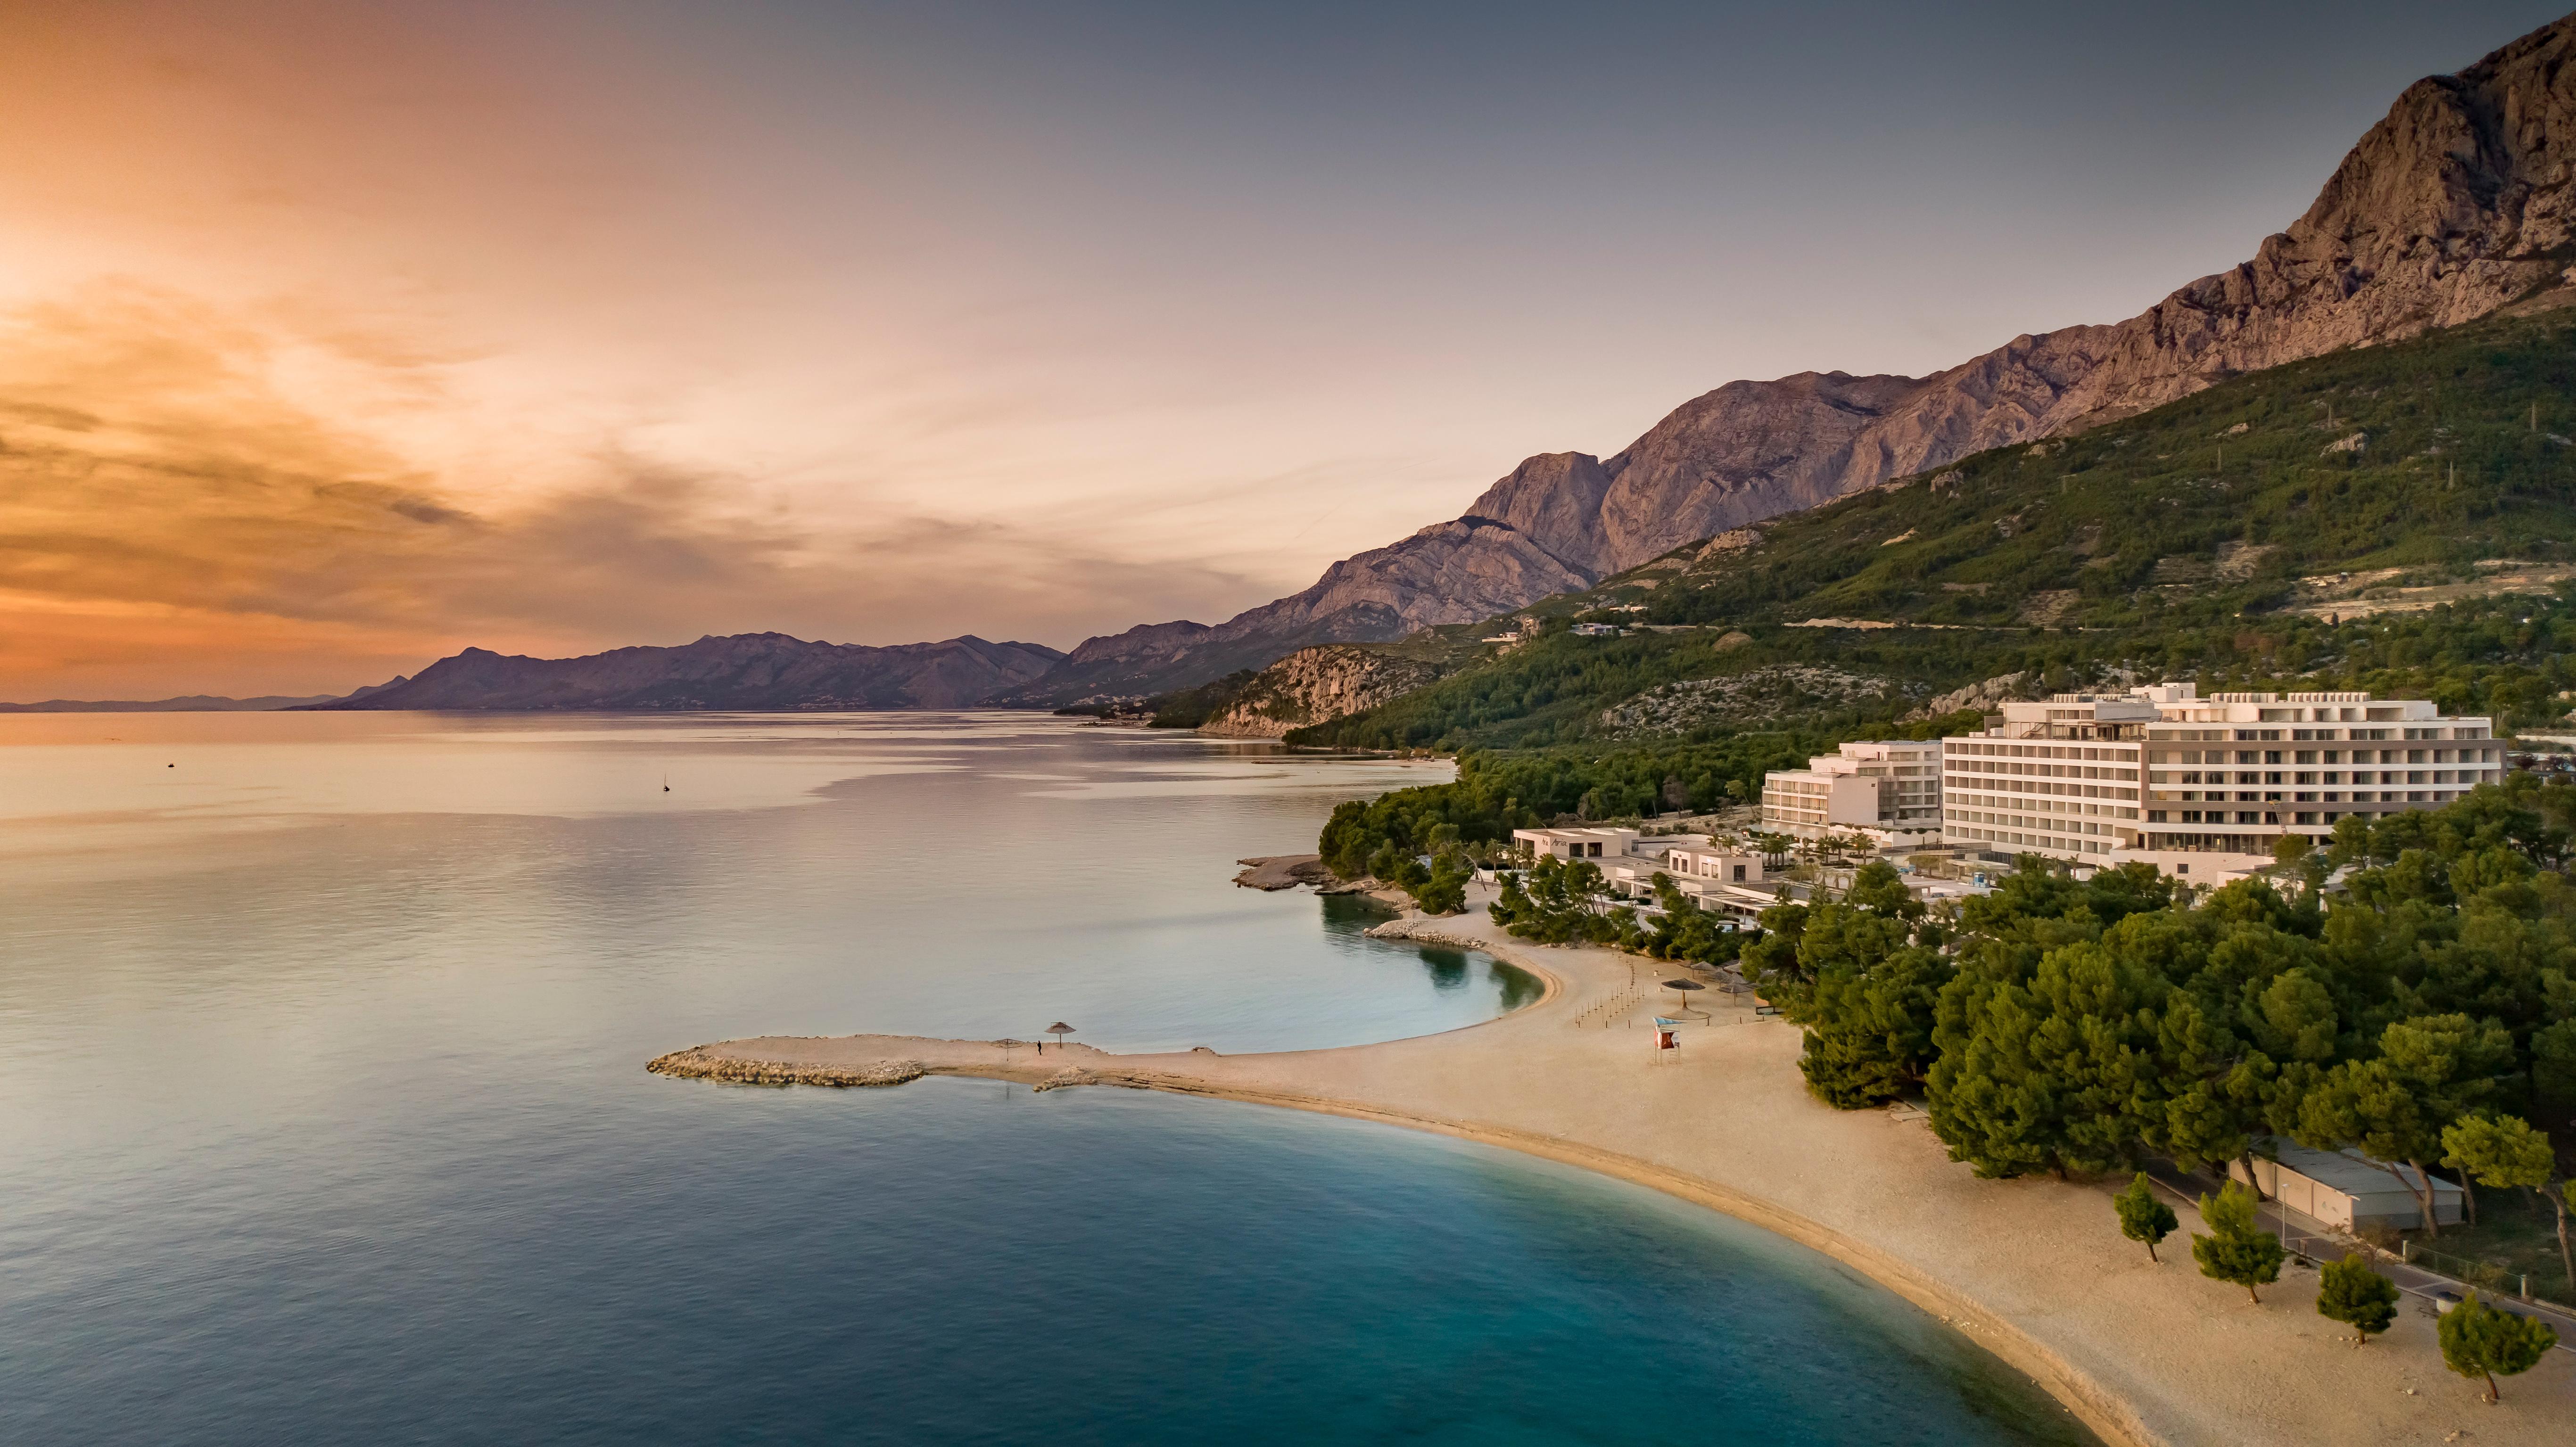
2457,203
746,671
1316,685
2389,511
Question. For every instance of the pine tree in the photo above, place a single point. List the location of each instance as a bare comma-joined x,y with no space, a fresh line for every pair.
2480,1341
2351,1293
2142,1216
2506,1151
2242,1253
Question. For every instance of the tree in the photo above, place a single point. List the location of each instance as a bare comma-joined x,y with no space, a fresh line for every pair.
1877,886
2050,1064
1869,1034
2505,1151
2296,856
2431,1070
2480,1341
2351,1293
2142,1216
2242,1253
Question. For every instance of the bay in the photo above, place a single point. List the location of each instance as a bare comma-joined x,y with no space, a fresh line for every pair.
321,1041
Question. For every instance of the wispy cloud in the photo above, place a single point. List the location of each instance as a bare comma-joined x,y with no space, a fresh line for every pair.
157,486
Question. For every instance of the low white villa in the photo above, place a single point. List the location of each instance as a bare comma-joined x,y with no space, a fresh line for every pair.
1575,843
2348,1190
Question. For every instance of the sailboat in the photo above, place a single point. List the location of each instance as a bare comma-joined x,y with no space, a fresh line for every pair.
666,783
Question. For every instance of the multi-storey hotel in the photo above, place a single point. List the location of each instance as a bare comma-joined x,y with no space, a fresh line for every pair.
1888,790
2200,786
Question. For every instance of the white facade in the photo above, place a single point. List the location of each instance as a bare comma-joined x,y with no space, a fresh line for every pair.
1726,866
2200,787
1888,790
2349,1190
1575,843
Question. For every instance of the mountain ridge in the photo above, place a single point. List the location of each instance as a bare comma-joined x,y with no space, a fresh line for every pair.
754,671
2454,204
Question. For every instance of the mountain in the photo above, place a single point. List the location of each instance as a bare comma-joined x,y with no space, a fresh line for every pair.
1450,572
2399,518
746,671
2455,204
189,703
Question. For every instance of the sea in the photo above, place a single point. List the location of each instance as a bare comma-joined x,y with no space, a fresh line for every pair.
324,1115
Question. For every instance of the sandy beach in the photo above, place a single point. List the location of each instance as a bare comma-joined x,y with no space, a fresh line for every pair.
2034,1270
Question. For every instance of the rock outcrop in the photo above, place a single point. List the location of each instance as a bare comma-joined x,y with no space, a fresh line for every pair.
746,671
1313,685
2457,203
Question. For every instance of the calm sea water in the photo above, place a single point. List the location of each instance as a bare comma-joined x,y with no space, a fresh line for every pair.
322,1100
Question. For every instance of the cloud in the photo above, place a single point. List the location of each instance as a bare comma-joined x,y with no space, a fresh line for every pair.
183,508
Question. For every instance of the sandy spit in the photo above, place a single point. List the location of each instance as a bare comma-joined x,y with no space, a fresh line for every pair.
2034,1271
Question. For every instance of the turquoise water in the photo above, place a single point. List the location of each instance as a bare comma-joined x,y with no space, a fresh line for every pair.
327,1119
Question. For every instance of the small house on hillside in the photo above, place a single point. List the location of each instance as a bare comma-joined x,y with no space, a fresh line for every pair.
2349,1190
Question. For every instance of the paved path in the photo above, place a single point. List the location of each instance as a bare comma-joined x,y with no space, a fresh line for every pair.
2319,1241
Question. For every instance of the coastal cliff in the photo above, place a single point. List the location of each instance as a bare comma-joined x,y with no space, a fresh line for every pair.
1314,685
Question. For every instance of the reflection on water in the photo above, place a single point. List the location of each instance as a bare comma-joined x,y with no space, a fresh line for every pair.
322,1037
1350,917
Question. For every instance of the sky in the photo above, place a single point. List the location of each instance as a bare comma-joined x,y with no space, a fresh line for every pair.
335,337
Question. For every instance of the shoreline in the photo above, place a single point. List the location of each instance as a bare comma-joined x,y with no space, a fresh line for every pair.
2034,1272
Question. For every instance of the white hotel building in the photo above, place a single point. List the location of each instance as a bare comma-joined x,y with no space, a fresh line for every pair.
2200,787
1887,790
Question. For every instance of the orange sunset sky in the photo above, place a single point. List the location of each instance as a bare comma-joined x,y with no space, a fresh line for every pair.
336,337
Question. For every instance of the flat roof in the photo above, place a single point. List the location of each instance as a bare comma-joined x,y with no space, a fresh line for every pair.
2350,1172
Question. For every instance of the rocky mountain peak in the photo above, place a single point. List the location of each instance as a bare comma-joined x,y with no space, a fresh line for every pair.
2456,203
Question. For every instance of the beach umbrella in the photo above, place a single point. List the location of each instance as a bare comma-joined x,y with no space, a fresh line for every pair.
1059,1030
1683,985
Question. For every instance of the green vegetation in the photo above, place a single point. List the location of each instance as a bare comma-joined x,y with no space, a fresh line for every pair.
2480,1341
1496,793
1863,975
2130,545
2505,1152
2080,1027
1561,902
2349,1291
2240,1252
1188,708
2142,527
2143,1216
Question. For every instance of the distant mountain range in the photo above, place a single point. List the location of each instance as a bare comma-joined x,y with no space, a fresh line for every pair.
752,671
190,703
2455,204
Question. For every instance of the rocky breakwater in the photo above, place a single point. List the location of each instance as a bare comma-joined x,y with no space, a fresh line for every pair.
1317,685
1429,930
696,1063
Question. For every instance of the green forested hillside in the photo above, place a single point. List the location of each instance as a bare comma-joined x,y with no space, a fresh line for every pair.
2252,533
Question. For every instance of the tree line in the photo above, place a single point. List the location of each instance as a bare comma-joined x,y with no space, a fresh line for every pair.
2424,1010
